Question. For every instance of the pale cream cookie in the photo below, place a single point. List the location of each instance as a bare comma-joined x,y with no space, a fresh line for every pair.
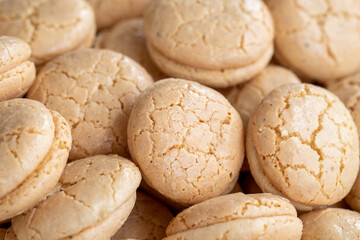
187,140
302,143
50,27
148,220
317,39
92,200
217,43
237,217
17,73
34,147
94,90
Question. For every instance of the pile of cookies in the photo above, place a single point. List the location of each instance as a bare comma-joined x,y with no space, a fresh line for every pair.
179,119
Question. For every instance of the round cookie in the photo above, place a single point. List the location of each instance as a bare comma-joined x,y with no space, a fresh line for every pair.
331,223
50,27
16,72
34,147
94,197
94,90
247,97
128,38
302,144
217,43
186,139
108,12
348,90
237,217
317,39
148,220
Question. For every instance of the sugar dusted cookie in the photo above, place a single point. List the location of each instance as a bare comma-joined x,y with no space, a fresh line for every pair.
302,143
94,197
34,148
217,43
187,140
237,217
94,90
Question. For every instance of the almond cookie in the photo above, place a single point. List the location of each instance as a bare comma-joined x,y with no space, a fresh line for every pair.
348,90
237,217
94,197
34,147
94,90
148,220
317,39
108,12
302,144
16,72
186,139
128,38
217,43
50,27
331,223
247,97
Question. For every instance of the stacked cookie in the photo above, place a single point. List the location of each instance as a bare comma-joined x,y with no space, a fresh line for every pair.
171,119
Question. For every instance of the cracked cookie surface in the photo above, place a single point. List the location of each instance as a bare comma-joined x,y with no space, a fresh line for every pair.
148,220
50,27
331,223
128,38
237,216
16,72
95,194
183,136
94,90
245,98
198,40
318,39
302,143
108,12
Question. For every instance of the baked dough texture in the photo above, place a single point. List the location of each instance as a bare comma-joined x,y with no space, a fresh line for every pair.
331,223
317,39
303,144
10,235
148,220
94,197
348,90
50,27
245,98
217,43
186,139
16,72
34,147
237,217
128,38
94,90
108,12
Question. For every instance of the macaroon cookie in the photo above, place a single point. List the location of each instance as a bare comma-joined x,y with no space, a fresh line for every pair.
187,140
317,39
348,90
50,27
94,197
94,90
247,97
331,223
148,220
34,147
302,144
17,73
217,43
128,38
108,12
237,217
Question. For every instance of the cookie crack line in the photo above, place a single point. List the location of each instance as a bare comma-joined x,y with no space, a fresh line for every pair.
280,138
